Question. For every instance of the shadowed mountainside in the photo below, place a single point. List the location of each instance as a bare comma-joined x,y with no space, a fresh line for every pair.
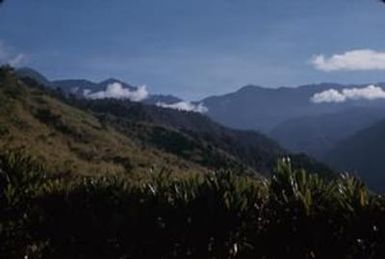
316,135
362,153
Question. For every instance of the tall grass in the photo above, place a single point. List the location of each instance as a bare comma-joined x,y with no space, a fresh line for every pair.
220,215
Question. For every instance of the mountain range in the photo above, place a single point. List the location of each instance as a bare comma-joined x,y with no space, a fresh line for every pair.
292,116
93,136
343,131
80,87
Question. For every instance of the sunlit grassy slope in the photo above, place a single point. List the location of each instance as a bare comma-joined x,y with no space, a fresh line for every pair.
68,140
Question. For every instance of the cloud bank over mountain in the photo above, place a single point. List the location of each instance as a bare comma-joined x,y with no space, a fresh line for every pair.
184,106
117,91
360,59
370,92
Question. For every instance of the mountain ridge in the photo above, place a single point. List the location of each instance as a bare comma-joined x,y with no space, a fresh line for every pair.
206,143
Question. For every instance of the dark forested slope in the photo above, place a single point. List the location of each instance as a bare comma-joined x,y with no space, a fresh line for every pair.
316,135
363,153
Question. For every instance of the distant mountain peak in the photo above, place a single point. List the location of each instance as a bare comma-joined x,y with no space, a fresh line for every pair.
249,88
111,80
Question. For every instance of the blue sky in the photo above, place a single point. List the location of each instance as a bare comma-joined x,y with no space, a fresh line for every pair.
195,48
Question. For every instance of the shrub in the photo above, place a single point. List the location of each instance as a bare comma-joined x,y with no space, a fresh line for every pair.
218,215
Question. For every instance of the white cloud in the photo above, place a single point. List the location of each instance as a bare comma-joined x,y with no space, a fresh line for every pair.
371,92
361,59
117,91
7,56
184,106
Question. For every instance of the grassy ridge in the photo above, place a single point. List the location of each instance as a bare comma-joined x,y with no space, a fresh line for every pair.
221,215
70,141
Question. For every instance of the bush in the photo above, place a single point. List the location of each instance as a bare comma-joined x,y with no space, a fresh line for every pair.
219,215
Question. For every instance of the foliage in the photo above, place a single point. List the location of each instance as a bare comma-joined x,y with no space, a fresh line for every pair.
218,215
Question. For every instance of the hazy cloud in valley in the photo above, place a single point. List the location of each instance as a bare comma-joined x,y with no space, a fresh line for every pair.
117,91
184,106
370,92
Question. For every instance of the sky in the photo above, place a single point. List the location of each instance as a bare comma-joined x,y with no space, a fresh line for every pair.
197,48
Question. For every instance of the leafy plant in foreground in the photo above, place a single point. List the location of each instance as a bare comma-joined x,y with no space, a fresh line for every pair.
218,215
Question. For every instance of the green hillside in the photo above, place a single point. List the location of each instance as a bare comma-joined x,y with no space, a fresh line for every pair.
68,140
71,136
